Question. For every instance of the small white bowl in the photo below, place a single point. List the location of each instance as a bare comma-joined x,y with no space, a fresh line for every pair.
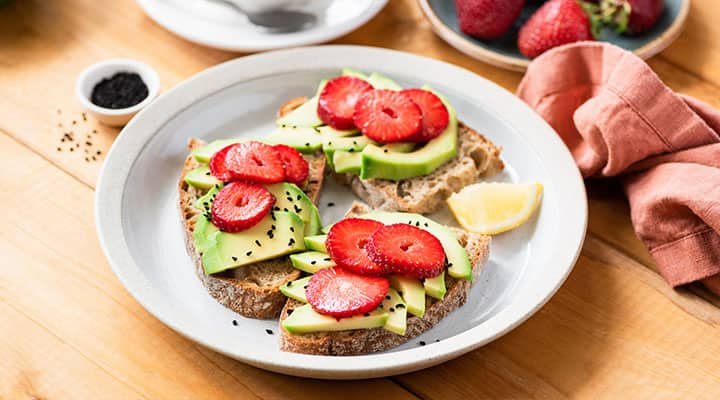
106,69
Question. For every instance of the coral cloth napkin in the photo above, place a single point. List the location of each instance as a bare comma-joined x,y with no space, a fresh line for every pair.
619,119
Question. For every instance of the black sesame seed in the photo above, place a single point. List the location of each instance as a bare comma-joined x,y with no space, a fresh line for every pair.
400,293
276,208
351,150
386,150
367,314
292,229
287,193
380,306
307,144
59,149
234,258
290,311
313,262
436,340
94,130
74,122
327,259
331,204
88,143
305,287
354,141
387,297
285,209
235,322
329,143
299,196
72,149
272,215
257,242
422,343
248,253
426,225
400,305
297,209
207,173
291,242
289,284
289,198
62,140
392,309
84,116
273,227
417,223
450,265
269,331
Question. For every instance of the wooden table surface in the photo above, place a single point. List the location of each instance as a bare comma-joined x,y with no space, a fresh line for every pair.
69,330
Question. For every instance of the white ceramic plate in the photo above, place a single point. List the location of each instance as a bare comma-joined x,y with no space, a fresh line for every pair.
214,25
140,230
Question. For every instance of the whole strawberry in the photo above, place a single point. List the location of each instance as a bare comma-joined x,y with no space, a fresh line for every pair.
556,23
487,19
632,16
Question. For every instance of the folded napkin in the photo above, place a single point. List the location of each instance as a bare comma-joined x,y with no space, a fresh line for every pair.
618,119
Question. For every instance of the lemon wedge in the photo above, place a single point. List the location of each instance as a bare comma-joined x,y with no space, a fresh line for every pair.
490,208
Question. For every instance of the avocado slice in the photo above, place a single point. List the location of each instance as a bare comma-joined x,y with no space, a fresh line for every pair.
202,234
412,291
376,163
346,162
306,115
296,289
311,261
382,82
305,320
354,72
201,178
435,287
458,261
304,140
205,201
273,233
290,198
204,153
329,131
316,243
397,312
353,144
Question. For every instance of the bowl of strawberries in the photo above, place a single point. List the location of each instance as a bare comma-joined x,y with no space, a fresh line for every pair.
510,33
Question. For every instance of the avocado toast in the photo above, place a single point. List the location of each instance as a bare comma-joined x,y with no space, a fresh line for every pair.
395,176
380,334
252,290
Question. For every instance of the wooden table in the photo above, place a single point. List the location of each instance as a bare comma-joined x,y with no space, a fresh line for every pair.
69,330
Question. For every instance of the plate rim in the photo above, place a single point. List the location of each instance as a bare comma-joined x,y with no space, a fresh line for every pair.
324,35
465,45
127,147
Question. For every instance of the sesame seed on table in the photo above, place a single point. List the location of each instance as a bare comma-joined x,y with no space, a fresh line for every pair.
71,330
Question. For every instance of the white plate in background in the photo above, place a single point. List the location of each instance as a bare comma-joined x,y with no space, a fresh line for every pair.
141,233
219,26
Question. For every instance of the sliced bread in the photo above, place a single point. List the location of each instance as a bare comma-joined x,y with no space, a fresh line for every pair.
477,158
254,290
355,342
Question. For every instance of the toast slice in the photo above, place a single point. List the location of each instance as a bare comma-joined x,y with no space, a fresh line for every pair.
253,290
477,158
356,342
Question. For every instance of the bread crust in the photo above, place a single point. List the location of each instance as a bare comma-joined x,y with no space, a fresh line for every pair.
364,341
252,291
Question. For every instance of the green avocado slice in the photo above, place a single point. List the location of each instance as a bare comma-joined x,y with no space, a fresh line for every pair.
296,289
316,243
204,154
311,261
270,238
329,131
201,178
397,312
395,166
382,82
304,140
412,292
203,234
459,266
347,71
290,198
435,287
305,320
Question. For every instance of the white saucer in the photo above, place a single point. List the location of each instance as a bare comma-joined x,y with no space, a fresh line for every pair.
214,25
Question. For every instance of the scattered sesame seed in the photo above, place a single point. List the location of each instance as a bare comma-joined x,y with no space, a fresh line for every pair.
313,262
327,259
285,209
331,204
59,149
248,253
380,306
400,305
437,340
276,208
426,225
234,258
84,117
299,196
367,314
72,149
392,309
273,227
287,193
292,229
351,150
290,311
94,158
305,287
422,343
269,331
387,297
307,144
257,242
74,122
235,322
289,198
386,150
289,284
297,209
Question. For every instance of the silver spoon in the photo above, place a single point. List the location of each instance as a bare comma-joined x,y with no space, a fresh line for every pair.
277,20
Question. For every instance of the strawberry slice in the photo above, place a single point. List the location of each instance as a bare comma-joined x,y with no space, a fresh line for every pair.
295,166
341,293
336,104
346,245
387,116
240,205
407,250
248,161
435,117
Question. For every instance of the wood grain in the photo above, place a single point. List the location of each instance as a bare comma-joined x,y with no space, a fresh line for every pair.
70,330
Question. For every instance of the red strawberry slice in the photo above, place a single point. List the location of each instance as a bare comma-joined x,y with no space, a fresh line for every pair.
407,250
387,116
346,245
248,161
336,104
240,205
295,166
435,116
341,293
